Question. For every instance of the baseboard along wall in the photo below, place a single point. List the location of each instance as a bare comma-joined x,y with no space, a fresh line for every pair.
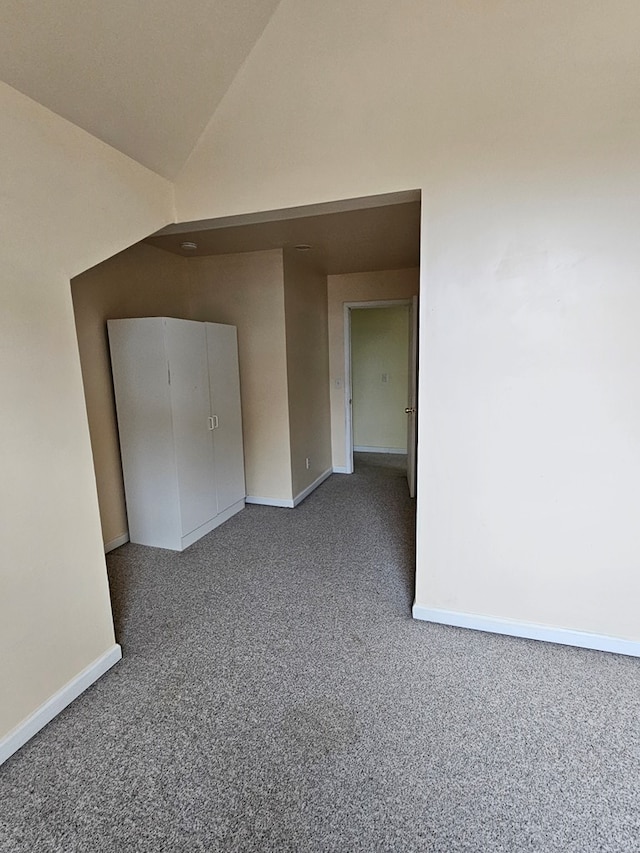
317,482
112,544
528,630
257,499
58,702
290,503
361,448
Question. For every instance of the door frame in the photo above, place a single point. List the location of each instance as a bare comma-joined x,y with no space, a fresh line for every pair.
348,414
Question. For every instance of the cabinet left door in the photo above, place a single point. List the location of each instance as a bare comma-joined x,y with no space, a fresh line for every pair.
143,402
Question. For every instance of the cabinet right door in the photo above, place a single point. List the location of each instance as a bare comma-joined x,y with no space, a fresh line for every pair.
224,378
189,384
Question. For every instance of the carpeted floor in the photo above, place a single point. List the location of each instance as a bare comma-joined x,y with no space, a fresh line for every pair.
275,695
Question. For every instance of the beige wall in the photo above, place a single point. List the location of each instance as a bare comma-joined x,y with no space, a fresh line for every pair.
380,376
139,282
356,287
67,202
305,297
248,291
520,123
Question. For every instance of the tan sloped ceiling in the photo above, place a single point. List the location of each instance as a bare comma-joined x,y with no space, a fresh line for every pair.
145,76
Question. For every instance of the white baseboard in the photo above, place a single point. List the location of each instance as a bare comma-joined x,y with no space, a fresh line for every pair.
112,544
529,630
58,702
361,448
256,499
289,503
306,492
341,469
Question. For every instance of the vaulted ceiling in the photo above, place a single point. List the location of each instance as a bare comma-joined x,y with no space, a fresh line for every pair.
145,76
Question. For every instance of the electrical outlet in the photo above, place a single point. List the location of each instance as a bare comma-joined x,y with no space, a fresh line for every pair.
385,377
307,462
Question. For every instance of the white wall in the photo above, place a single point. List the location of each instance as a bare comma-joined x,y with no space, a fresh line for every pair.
67,202
529,362
520,123
380,377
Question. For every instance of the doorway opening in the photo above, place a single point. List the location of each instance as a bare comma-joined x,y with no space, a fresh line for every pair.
312,260
380,388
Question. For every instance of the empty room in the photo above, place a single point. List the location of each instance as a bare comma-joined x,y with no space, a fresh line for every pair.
330,664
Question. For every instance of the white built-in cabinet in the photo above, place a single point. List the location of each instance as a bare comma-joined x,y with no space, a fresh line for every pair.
177,392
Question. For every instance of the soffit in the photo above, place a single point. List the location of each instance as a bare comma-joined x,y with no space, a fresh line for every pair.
363,240
145,76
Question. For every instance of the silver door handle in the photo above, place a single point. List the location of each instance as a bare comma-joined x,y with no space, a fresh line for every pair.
409,411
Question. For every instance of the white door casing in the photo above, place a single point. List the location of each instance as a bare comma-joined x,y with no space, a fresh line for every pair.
412,402
348,387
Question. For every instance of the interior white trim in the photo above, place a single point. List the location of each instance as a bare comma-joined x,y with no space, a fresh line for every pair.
58,702
348,394
361,448
112,544
348,414
529,630
306,492
341,469
282,502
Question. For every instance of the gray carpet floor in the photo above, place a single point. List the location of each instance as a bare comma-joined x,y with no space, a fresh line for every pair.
275,695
